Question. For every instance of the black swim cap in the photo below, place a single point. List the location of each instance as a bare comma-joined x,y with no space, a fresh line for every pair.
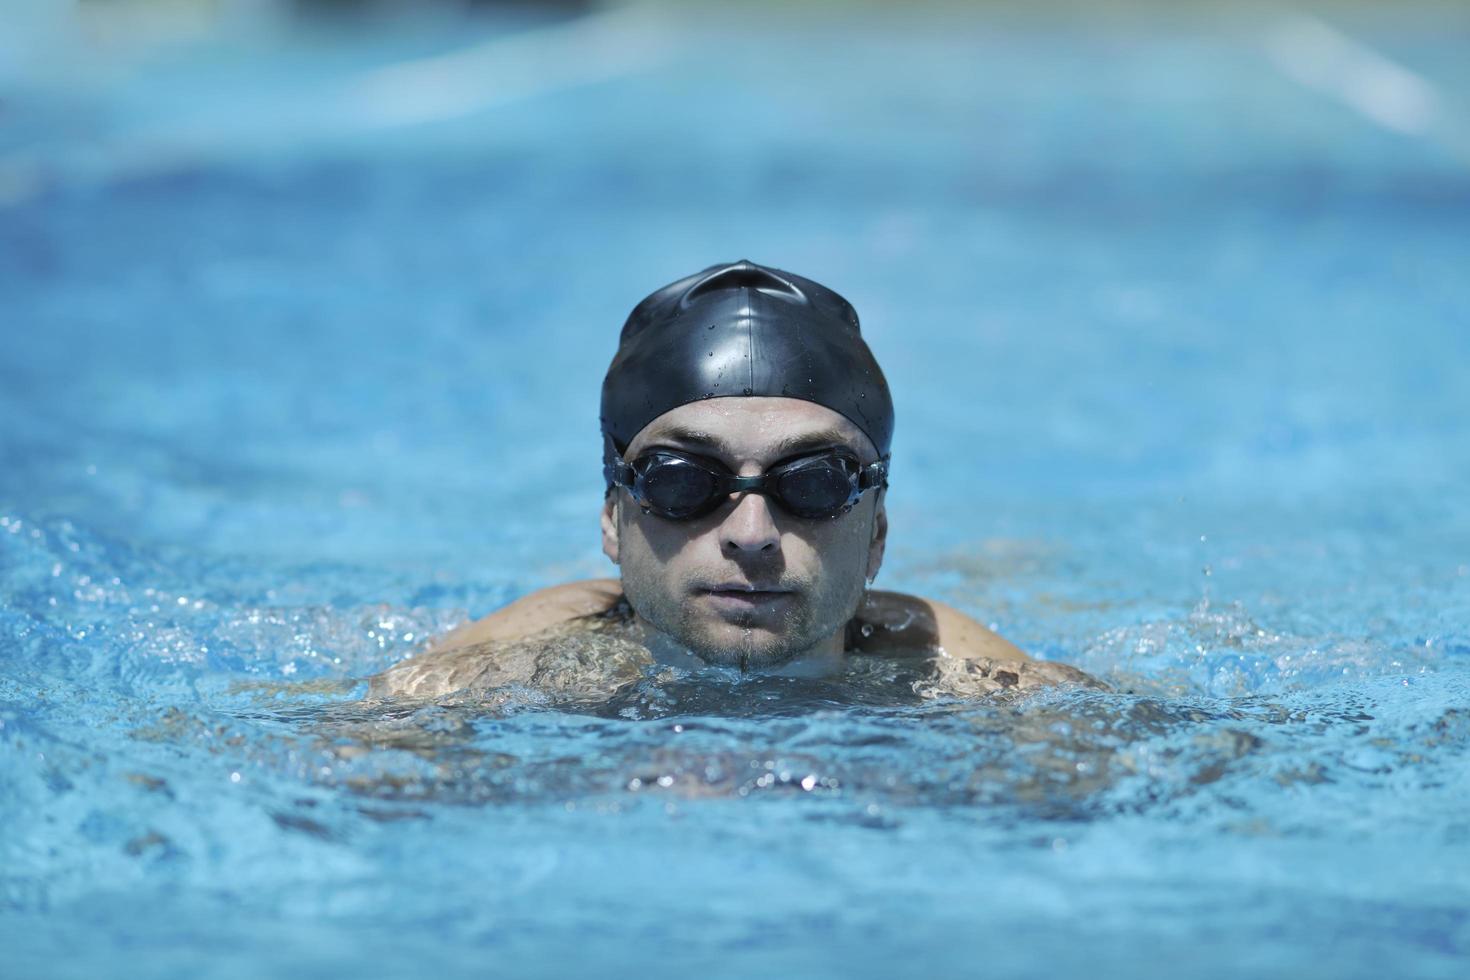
742,329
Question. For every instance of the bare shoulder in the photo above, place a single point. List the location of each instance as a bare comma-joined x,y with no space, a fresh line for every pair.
536,612
897,623
490,652
970,660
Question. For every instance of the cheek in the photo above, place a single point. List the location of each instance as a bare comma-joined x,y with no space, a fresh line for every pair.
661,547
836,548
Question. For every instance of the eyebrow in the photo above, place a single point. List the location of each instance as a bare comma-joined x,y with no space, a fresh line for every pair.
786,448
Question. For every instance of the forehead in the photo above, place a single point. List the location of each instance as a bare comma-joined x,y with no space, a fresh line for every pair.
753,428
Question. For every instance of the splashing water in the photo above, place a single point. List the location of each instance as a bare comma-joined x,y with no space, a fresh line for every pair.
273,421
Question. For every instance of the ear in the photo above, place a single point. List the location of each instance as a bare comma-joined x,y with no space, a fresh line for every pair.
880,537
610,516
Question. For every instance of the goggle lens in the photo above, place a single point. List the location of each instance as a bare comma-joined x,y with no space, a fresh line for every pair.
677,488
817,490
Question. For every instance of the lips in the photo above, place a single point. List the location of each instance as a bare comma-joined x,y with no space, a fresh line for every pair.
747,588
746,595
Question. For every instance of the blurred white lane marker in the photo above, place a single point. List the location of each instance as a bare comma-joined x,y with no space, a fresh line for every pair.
447,86
595,48
1321,57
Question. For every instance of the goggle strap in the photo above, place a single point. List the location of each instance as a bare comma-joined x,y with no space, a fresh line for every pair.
618,473
874,475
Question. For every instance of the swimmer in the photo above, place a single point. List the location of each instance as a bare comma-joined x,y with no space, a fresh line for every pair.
746,433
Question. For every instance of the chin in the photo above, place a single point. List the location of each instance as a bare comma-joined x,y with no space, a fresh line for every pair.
725,645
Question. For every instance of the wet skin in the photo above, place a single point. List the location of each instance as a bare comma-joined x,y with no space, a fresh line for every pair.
748,586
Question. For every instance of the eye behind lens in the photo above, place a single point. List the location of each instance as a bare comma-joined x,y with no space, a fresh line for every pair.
816,491
676,488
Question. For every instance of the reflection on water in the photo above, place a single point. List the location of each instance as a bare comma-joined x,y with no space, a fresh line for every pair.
877,740
1137,288
215,741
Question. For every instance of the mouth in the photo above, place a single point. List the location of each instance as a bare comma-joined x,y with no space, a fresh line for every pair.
745,596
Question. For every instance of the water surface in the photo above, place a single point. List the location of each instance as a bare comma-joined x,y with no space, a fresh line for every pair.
1179,350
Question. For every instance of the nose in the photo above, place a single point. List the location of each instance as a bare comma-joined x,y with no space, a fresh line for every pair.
750,528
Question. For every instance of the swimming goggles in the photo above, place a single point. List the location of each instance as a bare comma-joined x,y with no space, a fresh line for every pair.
681,487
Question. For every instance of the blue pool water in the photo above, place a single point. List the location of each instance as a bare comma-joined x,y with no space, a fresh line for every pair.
1181,353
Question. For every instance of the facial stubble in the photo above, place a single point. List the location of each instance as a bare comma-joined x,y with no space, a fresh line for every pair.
677,614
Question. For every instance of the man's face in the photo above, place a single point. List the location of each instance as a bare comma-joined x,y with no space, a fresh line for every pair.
748,585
